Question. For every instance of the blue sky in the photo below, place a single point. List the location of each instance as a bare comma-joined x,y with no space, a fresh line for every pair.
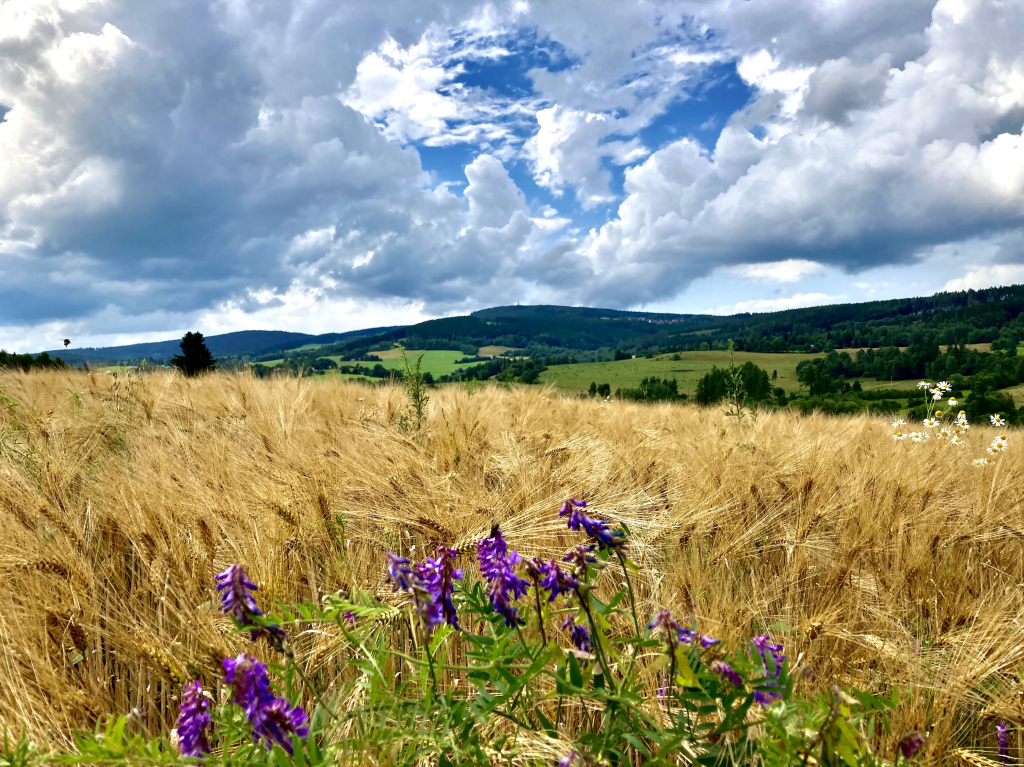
322,166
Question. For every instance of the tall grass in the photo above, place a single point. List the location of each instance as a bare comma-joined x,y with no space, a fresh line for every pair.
875,562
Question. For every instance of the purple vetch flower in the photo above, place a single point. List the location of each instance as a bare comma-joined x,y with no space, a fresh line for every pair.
579,557
910,744
552,577
248,679
1004,743
774,651
273,719
579,634
567,760
443,566
278,721
193,721
236,597
675,634
237,601
399,572
727,673
498,568
596,528
350,618
490,552
431,584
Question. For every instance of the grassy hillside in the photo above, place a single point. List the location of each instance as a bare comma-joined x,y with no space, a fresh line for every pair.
874,562
687,370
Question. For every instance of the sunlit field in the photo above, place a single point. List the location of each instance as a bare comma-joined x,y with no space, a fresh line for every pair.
874,562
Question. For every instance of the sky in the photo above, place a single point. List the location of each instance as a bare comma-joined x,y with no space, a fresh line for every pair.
318,166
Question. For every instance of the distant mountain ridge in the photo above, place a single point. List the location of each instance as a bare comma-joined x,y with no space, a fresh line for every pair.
974,316
242,343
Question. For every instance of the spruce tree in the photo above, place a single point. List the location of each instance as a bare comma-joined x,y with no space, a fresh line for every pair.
195,357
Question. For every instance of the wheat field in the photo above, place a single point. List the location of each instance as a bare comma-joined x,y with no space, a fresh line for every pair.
874,562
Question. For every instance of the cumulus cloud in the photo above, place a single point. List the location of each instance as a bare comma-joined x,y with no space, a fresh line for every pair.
797,301
790,270
874,187
980,277
161,163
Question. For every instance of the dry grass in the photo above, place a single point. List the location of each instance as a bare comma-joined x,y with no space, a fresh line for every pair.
880,563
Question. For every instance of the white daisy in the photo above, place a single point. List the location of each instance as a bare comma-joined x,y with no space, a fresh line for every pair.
916,436
957,440
931,423
898,423
923,385
996,420
981,462
899,435
936,395
953,402
944,385
999,443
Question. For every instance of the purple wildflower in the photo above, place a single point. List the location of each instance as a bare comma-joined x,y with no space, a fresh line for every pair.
248,679
430,582
444,575
236,597
273,719
596,528
236,600
727,673
675,634
193,721
552,577
350,618
497,566
399,572
278,721
774,651
490,551
567,760
910,744
579,557
1004,743
579,634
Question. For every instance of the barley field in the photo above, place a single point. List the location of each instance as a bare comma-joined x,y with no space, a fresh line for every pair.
875,562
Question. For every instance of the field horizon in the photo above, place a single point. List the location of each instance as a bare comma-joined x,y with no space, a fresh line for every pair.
874,562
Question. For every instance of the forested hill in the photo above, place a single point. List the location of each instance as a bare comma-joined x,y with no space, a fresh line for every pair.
980,316
585,334
244,343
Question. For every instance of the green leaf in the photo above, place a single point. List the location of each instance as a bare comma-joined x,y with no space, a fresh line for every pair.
575,677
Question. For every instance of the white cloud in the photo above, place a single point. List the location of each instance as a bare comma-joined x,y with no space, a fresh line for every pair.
797,301
790,270
978,277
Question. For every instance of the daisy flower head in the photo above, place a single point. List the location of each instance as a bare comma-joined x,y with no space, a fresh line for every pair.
898,423
999,443
996,420
936,395
916,436
957,440
923,385
953,402
938,413
931,423
944,386
981,462
899,435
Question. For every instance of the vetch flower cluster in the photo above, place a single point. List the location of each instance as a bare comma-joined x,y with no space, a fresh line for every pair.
772,659
273,719
193,721
596,528
431,583
497,566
